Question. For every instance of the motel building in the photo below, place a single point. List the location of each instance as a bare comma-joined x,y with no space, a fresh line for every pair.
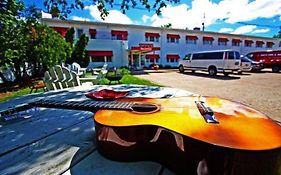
140,46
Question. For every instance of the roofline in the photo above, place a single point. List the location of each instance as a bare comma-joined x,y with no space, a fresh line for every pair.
151,27
210,51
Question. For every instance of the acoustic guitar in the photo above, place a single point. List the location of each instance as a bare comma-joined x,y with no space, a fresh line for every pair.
189,135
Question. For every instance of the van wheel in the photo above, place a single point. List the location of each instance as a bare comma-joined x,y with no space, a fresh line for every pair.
181,69
275,68
212,71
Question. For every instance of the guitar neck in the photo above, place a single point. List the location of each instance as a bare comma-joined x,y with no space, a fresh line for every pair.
92,106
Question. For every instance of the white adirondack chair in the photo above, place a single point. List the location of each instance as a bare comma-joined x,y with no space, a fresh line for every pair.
48,81
68,77
61,76
77,69
55,78
75,79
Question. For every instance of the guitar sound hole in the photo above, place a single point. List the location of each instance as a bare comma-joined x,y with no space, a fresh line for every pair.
145,108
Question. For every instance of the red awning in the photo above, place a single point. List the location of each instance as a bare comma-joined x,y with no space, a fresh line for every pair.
270,43
152,56
173,36
61,30
236,41
206,38
249,41
259,42
190,37
92,31
173,56
100,53
147,34
119,32
223,40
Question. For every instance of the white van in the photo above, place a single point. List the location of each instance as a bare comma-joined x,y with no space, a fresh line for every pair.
224,61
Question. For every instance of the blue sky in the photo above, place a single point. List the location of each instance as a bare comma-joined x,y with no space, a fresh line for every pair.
247,17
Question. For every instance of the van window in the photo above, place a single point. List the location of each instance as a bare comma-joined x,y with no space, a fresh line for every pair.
231,56
187,57
208,56
237,55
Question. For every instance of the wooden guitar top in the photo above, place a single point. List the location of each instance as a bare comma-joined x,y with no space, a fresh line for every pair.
239,127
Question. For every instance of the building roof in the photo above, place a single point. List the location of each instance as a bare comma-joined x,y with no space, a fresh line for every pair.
46,20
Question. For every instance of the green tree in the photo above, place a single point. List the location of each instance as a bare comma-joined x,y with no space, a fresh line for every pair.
27,41
69,36
277,35
46,48
79,53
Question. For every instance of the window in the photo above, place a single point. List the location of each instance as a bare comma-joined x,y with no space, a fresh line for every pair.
236,42
259,44
269,44
171,38
222,41
119,35
172,58
191,39
92,33
231,56
237,55
187,57
101,58
151,60
79,32
248,43
208,40
152,39
208,56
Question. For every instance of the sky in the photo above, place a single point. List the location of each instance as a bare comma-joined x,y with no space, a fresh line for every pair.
245,17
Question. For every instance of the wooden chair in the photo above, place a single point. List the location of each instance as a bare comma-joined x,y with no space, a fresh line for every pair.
33,85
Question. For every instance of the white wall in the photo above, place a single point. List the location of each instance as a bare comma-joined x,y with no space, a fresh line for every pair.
136,35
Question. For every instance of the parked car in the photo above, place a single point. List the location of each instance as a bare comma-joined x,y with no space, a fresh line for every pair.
249,65
269,59
224,61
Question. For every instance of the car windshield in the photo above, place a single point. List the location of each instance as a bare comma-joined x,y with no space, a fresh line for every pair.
246,58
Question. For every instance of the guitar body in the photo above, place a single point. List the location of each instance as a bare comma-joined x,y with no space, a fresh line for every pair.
244,141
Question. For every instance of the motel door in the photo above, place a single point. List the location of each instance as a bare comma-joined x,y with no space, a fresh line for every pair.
136,61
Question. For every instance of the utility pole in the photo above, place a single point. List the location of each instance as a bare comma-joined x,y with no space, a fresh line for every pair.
203,23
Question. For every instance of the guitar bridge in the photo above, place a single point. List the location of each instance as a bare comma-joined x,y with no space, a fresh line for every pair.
206,112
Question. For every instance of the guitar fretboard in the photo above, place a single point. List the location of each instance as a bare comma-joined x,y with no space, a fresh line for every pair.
83,105
92,106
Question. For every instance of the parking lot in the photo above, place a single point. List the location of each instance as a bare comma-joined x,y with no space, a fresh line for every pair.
258,90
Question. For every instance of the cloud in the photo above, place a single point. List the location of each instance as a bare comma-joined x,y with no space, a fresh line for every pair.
77,18
261,31
225,30
230,11
46,15
114,16
145,18
244,29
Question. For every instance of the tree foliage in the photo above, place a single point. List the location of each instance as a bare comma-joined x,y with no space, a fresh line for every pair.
277,35
69,36
79,53
65,7
25,41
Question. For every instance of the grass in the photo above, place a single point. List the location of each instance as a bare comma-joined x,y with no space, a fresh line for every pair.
127,79
13,94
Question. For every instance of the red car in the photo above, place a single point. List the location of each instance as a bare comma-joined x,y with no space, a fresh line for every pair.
269,59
